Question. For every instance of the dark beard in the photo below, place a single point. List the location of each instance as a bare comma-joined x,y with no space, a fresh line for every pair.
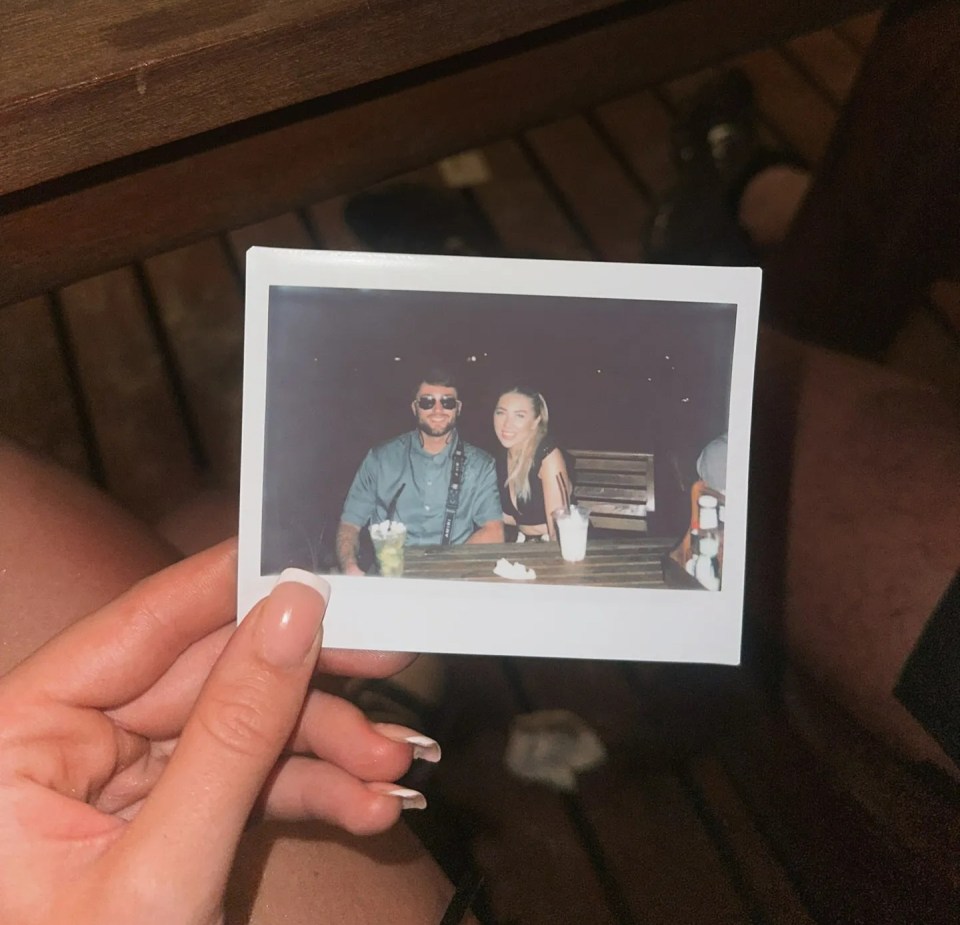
425,428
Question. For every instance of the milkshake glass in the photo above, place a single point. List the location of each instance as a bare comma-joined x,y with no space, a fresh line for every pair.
572,527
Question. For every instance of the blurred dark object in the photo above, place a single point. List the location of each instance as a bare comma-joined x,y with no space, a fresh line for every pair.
929,686
717,150
882,219
408,218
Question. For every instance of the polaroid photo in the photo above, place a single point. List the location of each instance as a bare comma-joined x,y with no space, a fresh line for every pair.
497,456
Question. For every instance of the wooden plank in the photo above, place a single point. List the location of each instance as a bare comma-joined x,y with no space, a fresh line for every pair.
651,838
201,305
537,873
177,198
598,463
790,104
602,492
842,865
677,94
634,578
327,218
619,523
617,478
916,804
826,59
146,457
611,454
526,219
640,126
650,548
625,563
618,576
763,880
622,510
164,74
287,230
37,407
607,202
845,866
860,30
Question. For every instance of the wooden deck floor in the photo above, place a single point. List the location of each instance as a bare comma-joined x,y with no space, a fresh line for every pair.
710,808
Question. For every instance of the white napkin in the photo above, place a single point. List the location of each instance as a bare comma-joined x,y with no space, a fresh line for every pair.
552,747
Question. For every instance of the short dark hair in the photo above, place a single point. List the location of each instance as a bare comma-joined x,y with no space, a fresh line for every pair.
436,375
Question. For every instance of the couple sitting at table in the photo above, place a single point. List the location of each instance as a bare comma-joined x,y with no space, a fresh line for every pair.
447,491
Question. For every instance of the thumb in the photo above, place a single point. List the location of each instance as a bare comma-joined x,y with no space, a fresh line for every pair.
243,717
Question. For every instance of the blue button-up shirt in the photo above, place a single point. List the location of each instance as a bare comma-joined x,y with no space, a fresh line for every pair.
423,502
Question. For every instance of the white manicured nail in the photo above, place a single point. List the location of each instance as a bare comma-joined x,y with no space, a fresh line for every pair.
409,799
303,577
424,748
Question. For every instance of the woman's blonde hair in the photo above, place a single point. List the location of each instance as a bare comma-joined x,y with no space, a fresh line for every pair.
518,471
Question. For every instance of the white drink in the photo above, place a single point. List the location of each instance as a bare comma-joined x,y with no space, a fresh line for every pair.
572,529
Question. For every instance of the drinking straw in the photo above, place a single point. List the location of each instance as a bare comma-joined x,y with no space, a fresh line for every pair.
563,493
392,506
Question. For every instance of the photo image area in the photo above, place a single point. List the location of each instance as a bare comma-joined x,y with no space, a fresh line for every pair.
343,366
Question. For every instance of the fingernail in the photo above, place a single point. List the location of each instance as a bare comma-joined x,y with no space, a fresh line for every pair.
409,799
424,748
290,625
303,577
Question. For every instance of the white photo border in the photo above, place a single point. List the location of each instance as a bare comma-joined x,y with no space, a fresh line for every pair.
419,615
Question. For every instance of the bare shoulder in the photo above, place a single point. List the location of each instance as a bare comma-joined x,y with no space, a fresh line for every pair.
553,462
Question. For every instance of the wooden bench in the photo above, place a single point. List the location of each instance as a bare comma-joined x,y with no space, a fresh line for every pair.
126,131
617,488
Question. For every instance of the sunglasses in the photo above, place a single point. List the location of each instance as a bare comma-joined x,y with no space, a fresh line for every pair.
447,402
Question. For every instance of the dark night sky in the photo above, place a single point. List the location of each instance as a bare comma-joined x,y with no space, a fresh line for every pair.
616,374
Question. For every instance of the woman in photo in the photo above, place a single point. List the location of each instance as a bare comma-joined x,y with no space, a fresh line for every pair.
531,468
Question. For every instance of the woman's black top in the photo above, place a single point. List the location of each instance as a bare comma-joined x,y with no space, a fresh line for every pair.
531,512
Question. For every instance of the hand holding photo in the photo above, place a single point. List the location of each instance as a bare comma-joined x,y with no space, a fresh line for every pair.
409,420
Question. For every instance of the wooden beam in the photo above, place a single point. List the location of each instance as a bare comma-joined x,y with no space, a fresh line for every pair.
107,78
47,243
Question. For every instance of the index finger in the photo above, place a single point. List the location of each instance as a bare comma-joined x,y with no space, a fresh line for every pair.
357,663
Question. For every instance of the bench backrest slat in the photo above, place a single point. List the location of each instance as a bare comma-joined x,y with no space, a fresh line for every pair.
616,487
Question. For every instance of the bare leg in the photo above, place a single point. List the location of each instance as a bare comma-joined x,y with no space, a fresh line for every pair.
872,516
66,550
204,521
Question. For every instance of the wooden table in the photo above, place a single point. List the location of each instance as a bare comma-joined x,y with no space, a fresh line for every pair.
129,128
627,563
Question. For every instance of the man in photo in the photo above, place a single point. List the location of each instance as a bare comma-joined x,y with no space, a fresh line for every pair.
441,488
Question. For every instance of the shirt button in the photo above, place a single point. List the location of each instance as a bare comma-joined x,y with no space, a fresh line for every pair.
426,507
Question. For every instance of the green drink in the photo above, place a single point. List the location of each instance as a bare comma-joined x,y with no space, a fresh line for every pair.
388,539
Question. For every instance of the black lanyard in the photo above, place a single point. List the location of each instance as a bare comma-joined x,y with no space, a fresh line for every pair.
453,493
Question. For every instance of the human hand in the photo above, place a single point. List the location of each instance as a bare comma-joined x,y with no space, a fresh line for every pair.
135,745
353,569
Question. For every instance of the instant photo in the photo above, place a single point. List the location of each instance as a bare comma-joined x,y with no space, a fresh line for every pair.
501,456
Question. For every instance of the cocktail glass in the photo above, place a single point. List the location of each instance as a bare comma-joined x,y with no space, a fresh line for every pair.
388,540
